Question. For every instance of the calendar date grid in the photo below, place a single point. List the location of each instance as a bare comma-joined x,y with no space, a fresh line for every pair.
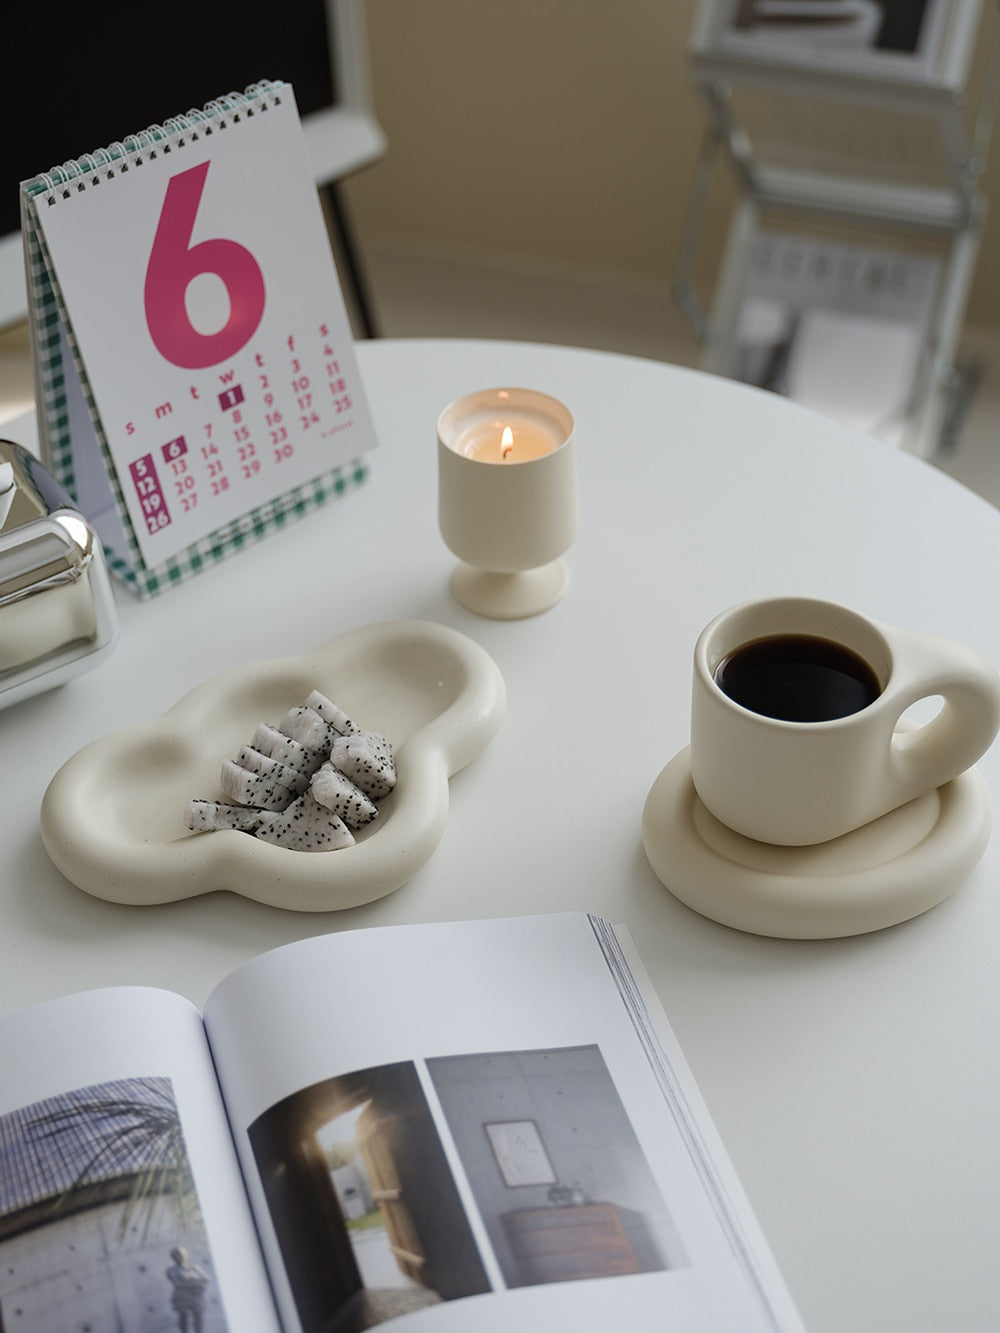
259,415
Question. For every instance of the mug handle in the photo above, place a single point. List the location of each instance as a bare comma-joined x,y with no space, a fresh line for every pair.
963,730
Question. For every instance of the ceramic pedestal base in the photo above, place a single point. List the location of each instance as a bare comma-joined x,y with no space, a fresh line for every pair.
887,872
510,596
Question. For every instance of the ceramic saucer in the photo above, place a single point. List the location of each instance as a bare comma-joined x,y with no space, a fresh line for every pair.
892,869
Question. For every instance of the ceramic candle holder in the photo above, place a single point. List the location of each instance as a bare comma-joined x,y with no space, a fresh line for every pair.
507,499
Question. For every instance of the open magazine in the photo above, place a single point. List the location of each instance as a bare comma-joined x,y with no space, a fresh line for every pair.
474,1126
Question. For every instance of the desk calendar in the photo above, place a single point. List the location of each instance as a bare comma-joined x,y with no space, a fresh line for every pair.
195,371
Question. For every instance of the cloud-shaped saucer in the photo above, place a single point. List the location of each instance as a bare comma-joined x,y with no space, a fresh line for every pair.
112,818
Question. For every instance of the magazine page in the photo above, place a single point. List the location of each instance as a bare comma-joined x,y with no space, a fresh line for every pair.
460,1124
121,1201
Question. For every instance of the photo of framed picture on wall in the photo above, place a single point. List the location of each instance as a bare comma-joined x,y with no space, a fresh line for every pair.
520,1153
922,41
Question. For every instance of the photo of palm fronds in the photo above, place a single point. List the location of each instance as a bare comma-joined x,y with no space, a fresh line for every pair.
129,1133
96,1194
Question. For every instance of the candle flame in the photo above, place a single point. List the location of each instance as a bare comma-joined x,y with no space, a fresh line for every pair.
506,442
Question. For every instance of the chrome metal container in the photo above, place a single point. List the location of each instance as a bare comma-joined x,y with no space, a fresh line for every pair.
57,610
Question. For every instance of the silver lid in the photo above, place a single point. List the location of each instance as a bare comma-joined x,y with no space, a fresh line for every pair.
57,610
44,541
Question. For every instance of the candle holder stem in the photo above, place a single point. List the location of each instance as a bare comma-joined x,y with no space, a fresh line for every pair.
510,596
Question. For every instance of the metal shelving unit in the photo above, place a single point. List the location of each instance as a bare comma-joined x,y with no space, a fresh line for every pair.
845,141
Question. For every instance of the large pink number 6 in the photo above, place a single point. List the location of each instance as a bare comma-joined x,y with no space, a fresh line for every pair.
174,262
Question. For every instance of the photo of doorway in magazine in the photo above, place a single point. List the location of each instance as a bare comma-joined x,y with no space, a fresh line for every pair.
100,1226
403,1185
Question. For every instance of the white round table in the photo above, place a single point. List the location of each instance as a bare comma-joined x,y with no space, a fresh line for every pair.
855,1082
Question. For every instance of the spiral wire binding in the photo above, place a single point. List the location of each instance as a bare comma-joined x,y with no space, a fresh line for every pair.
106,163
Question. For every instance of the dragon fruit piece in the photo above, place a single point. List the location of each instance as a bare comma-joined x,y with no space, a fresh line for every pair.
331,714
343,797
254,761
207,816
256,789
366,758
270,741
307,727
307,826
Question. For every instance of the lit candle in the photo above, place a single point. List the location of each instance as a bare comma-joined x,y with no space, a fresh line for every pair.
510,521
511,438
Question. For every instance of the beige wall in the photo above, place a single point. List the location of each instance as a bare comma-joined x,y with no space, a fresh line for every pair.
557,130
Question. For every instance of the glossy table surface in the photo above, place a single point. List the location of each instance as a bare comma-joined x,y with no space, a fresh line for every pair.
856,1081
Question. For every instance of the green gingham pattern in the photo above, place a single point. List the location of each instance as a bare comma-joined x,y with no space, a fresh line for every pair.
244,531
48,315
45,318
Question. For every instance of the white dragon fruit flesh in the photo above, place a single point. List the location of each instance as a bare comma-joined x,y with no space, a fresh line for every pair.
307,727
307,826
331,714
366,758
276,745
255,761
255,789
303,784
208,816
345,798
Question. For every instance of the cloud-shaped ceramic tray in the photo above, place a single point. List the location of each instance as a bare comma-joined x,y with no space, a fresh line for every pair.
113,816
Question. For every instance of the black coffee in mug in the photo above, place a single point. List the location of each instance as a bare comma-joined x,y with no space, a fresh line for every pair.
798,678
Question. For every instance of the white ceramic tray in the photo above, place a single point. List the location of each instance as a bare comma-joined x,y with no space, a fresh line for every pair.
113,816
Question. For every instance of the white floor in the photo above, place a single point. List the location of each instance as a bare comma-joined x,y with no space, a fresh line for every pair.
376,1262
423,293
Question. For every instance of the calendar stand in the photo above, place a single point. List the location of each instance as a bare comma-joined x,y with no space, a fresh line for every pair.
194,363
844,144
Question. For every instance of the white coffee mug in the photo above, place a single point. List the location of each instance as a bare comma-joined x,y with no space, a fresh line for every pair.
796,704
